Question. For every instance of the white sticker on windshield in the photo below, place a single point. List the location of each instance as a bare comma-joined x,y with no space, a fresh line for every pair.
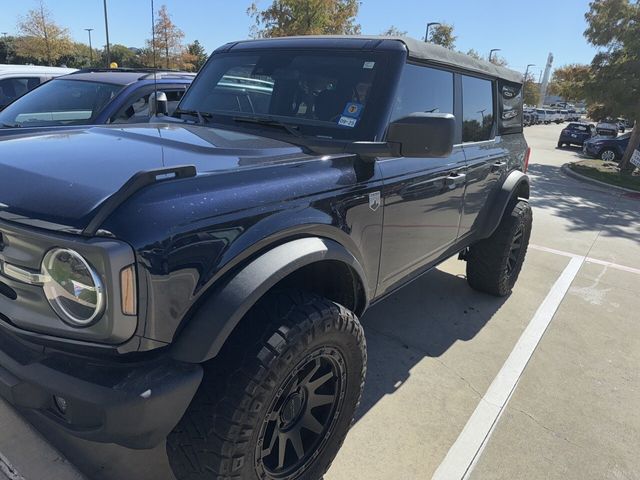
347,121
369,65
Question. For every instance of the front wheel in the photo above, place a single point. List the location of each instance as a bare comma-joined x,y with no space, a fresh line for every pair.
608,155
493,264
279,403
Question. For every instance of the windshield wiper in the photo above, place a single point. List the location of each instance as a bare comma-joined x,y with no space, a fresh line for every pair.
11,125
202,116
270,122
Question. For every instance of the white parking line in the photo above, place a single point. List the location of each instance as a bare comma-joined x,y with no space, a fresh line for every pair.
460,459
597,261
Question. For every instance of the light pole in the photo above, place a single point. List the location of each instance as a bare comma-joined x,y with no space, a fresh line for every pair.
426,35
106,28
90,46
524,83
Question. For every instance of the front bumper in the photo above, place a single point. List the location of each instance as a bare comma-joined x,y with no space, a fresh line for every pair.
589,150
134,405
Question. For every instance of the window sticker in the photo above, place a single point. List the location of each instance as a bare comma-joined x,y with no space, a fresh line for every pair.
353,109
368,65
347,121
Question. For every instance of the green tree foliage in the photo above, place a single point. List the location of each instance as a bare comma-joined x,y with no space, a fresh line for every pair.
41,38
614,81
531,90
569,82
125,57
305,17
443,35
394,31
198,55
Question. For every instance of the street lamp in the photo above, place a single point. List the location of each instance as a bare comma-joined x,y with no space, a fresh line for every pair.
493,50
526,72
89,30
426,35
106,28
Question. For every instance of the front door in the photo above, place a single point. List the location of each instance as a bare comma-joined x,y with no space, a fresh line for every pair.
422,197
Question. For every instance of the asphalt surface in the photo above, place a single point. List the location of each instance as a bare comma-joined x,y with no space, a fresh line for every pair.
542,384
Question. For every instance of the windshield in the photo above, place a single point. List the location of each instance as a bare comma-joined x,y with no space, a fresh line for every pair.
59,102
321,94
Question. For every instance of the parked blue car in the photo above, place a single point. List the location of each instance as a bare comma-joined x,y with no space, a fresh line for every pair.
576,133
95,97
607,148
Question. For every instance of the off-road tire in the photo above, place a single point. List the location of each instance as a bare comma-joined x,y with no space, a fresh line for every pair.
218,436
492,265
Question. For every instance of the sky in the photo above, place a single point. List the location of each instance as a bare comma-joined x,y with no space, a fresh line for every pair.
525,31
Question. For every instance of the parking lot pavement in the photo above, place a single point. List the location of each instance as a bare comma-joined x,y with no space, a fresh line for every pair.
437,349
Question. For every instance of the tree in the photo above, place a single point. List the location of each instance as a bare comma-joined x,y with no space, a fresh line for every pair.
499,61
474,53
42,39
305,17
125,56
443,35
569,82
614,81
394,31
531,90
198,55
168,39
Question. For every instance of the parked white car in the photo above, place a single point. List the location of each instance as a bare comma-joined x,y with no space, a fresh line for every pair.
543,115
16,80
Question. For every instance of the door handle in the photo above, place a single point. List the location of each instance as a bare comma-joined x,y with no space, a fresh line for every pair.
498,166
455,179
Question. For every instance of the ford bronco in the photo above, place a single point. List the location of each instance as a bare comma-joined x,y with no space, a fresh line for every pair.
199,279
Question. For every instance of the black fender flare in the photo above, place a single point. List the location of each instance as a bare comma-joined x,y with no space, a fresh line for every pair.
516,185
207,330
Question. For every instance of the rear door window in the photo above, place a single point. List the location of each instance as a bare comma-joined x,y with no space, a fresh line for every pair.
137,110
423,89
478,109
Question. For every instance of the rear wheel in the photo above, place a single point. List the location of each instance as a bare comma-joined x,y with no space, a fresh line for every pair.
493,264
279,402
608,155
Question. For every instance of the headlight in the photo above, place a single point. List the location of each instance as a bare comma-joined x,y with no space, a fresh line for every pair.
72,287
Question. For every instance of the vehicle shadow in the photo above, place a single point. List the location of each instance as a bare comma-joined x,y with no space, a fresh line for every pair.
584,206
423,319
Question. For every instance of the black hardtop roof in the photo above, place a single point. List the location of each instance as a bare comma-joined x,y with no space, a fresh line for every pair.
416,49
125,76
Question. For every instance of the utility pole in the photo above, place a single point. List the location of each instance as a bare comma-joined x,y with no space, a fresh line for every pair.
430,24
106,28
493,50
545,79
524,83
90,46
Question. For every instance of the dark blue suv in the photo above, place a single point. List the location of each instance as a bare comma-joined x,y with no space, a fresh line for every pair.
95,97
576,133
607,148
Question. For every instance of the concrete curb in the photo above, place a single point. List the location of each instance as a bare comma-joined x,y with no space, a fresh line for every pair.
26,455
570,173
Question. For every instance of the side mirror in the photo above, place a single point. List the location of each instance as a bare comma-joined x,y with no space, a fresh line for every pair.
423,134
158,104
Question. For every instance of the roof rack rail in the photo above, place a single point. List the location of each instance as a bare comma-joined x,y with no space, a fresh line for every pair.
136,183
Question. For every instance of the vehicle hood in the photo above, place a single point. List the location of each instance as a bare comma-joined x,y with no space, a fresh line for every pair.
59,180
601,139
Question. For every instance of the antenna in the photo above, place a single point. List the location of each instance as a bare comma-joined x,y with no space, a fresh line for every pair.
155,68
